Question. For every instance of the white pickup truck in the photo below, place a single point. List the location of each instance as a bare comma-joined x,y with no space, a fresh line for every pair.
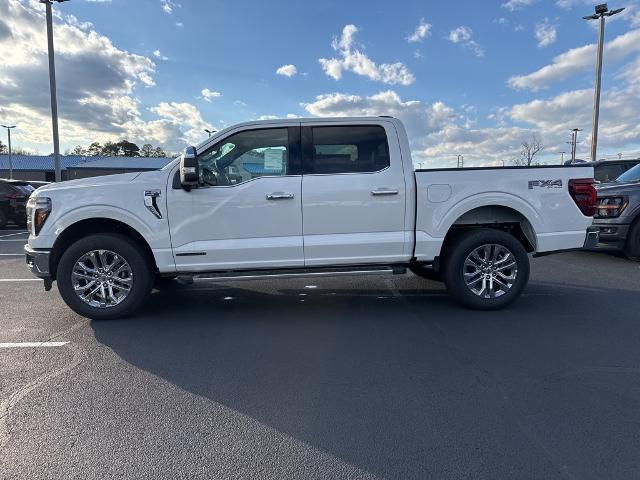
304,197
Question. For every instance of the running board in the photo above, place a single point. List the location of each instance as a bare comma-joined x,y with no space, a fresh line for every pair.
295,273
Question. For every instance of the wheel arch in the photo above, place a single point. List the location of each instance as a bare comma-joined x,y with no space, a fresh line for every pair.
496,216
89,226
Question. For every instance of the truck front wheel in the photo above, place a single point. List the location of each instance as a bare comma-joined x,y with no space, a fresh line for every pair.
486,269
104,276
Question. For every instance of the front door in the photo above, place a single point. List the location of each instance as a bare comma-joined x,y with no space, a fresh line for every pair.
353,195
246,213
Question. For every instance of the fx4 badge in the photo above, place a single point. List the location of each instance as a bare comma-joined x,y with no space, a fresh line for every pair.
545,184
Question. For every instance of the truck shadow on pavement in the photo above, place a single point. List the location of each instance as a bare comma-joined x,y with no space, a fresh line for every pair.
400,386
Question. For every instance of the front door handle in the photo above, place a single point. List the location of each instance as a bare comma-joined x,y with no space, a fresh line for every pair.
279,196
384,191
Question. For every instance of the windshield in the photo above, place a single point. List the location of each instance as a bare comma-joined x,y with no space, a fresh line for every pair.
631,175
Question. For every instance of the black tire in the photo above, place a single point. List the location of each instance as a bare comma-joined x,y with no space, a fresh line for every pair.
3,219
135,256
426,271
453,268
632,244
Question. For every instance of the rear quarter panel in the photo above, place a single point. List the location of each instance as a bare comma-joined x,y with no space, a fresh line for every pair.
443,196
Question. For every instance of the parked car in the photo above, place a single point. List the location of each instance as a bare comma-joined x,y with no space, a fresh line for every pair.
311,197
618,213
13,201
605,171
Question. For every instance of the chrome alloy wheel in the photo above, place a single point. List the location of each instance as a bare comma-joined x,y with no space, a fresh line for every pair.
490,270
102,278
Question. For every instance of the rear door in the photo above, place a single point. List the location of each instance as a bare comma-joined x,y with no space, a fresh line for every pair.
353,194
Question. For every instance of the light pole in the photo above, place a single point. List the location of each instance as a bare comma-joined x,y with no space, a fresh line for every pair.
574,141
209,131
52,88
562,158
9,127
602,11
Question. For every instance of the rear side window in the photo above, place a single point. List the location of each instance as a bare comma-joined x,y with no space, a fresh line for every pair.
608,173
348,149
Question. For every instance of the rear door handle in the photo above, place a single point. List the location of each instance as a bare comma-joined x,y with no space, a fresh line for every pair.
384,191
279,196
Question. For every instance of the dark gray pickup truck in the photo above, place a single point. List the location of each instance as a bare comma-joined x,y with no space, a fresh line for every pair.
618,213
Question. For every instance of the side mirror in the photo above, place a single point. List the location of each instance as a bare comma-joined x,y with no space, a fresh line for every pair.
189,169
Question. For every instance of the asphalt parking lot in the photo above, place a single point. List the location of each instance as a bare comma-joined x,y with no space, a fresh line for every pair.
345,377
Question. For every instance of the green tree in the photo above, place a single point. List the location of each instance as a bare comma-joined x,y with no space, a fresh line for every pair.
94,149
3,148
128,149
79,150
146,150
159,153
110,149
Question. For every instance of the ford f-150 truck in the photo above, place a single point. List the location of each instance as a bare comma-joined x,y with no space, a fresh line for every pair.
304,196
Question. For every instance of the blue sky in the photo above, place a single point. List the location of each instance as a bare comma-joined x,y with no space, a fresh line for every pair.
468,77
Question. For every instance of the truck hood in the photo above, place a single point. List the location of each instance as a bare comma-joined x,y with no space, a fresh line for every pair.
617,188
117,179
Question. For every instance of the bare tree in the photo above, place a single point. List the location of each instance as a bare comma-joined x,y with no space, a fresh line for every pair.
528,151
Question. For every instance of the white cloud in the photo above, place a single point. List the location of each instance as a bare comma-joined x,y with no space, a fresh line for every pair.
239,103
577,60
169,5
97,83
208,95
359,63
181,115
545,33
463,35
517,4
287,70
179,24
422,31
157,54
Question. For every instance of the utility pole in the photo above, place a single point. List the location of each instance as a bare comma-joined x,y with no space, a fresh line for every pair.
574,141
602,11
9,127
52,88
562,158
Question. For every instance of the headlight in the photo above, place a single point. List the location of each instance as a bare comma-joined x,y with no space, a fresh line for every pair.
38,209
610,207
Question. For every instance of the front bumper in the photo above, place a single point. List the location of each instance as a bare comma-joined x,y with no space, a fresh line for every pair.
38,261
611,235
593,235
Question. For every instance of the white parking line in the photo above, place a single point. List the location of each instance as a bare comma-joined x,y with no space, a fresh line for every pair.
20,279
32,344
13,234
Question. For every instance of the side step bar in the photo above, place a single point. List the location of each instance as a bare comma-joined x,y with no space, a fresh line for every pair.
294,273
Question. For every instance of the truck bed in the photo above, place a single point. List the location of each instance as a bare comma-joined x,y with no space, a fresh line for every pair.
539,196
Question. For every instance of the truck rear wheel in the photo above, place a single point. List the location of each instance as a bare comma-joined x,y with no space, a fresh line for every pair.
104,276
486,269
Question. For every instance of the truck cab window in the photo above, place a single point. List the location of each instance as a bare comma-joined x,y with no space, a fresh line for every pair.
348,149
244,156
